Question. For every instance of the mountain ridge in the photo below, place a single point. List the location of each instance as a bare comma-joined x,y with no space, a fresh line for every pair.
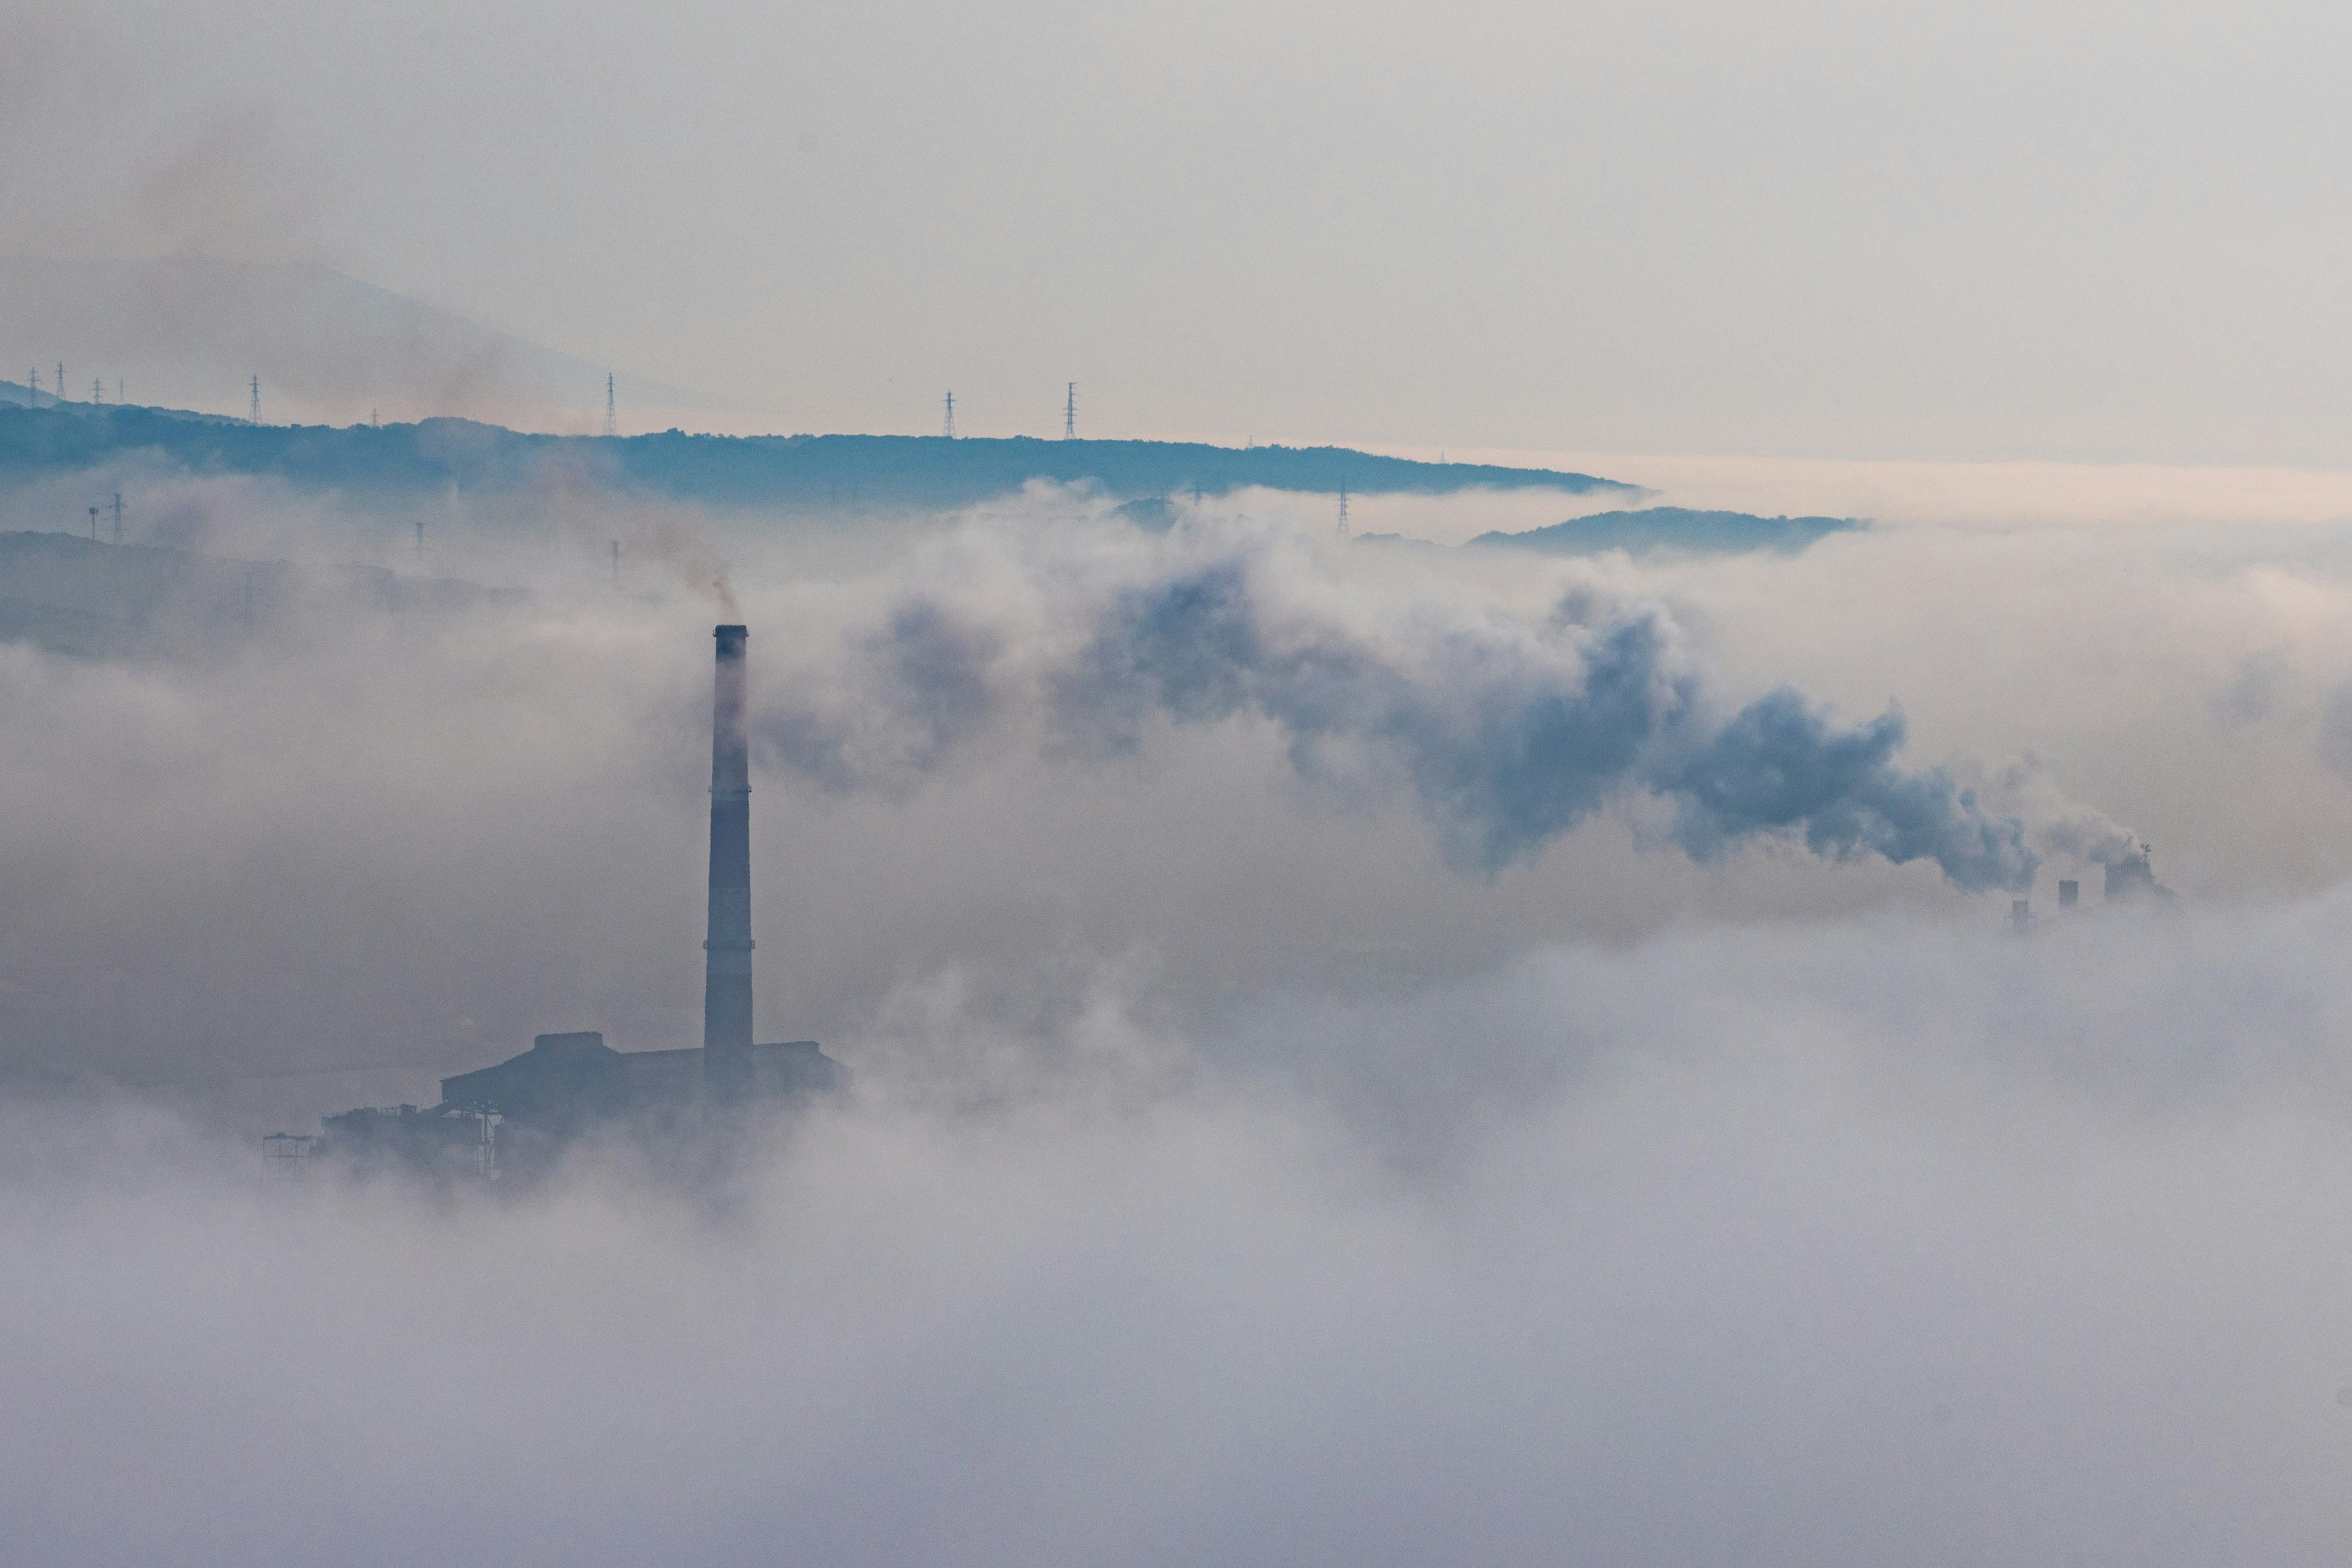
793,471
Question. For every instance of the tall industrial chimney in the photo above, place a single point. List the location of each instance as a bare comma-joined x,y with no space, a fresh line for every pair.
727,988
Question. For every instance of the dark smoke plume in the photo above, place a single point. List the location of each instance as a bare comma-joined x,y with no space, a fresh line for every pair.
1505,732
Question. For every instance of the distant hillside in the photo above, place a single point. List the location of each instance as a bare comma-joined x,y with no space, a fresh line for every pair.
807,472
1672,528
24,395
92,599
19,394
191,333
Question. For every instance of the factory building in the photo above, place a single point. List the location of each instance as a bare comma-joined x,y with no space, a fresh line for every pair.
2130,878
518,1116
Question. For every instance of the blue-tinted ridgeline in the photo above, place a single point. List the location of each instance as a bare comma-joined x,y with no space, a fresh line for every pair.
724,471
1674,528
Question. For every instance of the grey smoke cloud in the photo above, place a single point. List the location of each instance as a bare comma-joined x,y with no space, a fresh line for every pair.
922,685
1507,731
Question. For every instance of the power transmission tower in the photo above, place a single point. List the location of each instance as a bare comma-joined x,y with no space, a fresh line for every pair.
255,416
950,431
1070,415
616,564
611,427
33,381
98,389
61,381
118,517
1343,511
93,525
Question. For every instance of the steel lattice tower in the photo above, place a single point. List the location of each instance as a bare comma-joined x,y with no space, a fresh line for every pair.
950,425
1070,415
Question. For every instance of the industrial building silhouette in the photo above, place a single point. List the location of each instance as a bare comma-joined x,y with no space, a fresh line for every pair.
518,1118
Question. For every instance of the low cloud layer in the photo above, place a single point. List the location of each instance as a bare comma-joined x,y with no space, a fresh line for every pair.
1816,1245
1353,1060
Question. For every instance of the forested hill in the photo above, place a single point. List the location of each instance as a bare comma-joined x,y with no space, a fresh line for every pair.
794,471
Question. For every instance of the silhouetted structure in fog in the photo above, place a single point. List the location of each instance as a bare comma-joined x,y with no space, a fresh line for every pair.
518,1116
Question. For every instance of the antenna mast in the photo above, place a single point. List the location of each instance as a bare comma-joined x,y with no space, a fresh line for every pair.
951,430
1070,415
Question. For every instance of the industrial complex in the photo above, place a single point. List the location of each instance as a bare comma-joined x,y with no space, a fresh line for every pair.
517,1117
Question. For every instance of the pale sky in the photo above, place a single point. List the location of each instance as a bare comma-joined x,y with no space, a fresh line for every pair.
2063,230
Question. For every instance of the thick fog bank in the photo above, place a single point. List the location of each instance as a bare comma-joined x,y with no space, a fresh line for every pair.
355,839
1827,1243
1355,1058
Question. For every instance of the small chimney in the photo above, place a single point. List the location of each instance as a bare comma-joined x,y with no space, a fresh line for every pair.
727,984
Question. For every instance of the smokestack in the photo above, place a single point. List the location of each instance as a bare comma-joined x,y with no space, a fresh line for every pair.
727,986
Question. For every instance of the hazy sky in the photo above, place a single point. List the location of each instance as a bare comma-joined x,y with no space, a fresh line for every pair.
2067,229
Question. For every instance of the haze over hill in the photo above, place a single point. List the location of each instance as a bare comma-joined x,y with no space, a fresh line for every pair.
799,472
329,349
